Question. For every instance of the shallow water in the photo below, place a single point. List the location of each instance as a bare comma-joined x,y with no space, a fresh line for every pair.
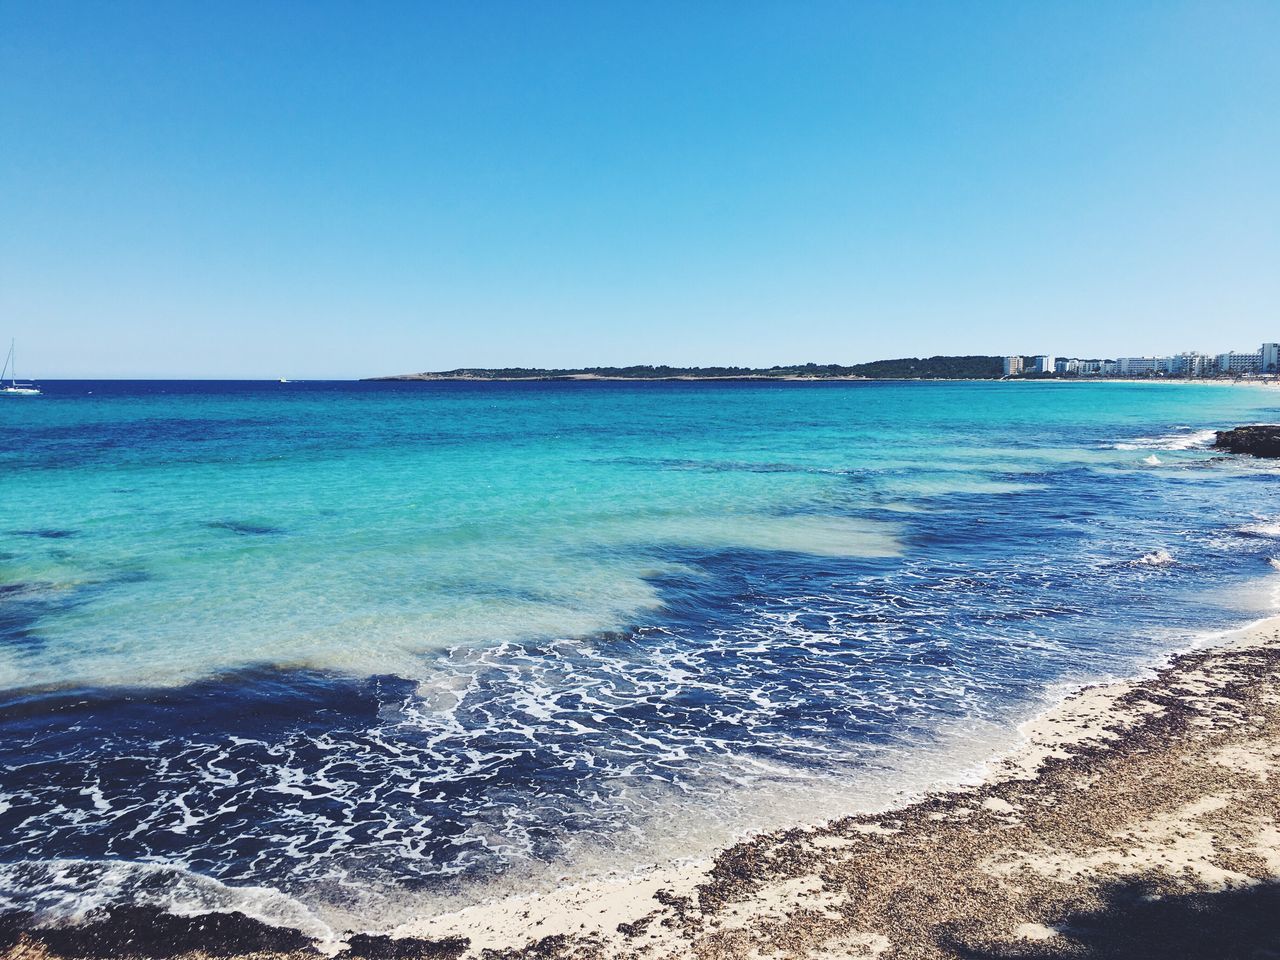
368,645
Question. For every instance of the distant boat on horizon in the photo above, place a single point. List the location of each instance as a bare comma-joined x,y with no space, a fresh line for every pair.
13,388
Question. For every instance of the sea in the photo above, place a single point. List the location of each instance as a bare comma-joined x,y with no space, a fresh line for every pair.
336,654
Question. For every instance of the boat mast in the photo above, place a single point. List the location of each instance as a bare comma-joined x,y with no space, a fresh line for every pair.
7,361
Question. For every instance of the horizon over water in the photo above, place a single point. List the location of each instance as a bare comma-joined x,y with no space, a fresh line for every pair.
336,652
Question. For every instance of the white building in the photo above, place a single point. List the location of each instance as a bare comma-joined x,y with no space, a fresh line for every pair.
1190,364
1270,357
1139,366
1238,363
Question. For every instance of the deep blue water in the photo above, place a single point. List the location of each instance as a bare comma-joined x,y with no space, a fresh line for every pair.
370,643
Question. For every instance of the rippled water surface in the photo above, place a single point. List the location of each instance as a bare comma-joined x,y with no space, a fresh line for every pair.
351,648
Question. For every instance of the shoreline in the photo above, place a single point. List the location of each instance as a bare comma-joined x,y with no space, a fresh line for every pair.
1085,721
1157,787
1270,381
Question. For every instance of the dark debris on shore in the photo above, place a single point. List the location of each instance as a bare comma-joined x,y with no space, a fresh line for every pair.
149,933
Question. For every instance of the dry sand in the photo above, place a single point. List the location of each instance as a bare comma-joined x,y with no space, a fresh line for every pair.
1140,819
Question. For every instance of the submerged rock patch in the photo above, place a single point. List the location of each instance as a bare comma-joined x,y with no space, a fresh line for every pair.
245,528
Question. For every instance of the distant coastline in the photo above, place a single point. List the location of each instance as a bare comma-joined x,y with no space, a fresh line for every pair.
909,368
482,377
974,367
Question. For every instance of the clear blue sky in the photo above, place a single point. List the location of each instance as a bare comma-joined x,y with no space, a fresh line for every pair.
320,189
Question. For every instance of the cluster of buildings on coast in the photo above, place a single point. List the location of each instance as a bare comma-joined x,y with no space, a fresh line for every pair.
1265,360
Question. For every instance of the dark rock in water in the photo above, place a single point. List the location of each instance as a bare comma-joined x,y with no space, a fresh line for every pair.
151,932
1260,440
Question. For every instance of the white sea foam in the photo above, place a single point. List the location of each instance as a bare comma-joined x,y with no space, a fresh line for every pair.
1152,460
1183,440
1159,557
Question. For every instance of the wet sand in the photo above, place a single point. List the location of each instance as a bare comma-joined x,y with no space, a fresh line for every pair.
1140,819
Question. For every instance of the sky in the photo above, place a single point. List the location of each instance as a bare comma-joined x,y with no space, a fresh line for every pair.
312,189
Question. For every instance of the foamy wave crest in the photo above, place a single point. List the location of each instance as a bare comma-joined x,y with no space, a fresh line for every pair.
1156,558
70,891
1152,460
1182,440
1263,528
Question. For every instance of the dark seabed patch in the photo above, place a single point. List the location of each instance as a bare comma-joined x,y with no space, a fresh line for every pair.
22,605
245,528
724,466
45,533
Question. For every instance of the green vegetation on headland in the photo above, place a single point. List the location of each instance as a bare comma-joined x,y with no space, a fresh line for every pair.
907,368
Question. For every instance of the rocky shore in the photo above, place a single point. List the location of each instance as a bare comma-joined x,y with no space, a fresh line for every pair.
1259,440
1140,820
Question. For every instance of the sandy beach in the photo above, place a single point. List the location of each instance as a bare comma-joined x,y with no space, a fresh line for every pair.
1139,819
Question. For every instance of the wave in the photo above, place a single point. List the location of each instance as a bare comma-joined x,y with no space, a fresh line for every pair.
1182,440
1152,558
1264,528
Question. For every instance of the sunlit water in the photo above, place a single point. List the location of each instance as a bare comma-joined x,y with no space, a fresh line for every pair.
367,647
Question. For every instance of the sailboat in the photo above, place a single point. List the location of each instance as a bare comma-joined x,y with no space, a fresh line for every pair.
13,388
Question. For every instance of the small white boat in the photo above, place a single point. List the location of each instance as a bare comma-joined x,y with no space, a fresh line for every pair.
13,388
282,380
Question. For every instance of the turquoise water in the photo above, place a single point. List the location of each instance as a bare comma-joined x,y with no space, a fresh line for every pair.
422,636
